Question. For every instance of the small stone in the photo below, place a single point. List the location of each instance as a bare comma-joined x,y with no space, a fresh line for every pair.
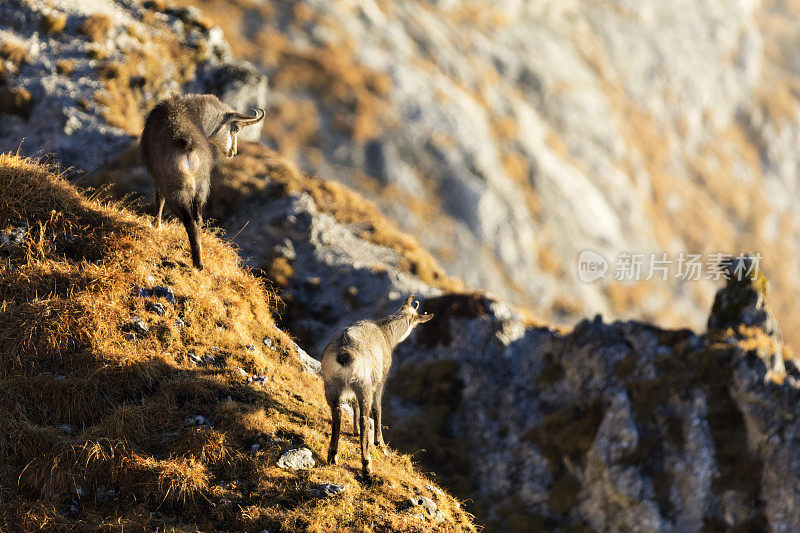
435,490
163,291
242,372
68,428
255,447
139,292
197,420
257,379
180,323
157,308
129,337
105,493
251,348
428,505
326,490
266,341
14,236
209,359
352,292
297,459
313,282
194,359
139,326
164,437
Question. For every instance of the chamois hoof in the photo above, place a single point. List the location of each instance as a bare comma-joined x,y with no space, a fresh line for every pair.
366,479
333,459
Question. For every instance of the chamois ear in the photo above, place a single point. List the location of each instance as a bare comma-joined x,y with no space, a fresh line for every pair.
409,301
424,317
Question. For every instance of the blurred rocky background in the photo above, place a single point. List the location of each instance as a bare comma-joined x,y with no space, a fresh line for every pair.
509,136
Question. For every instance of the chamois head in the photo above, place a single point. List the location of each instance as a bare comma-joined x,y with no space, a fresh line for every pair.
224,136
220,123
409,309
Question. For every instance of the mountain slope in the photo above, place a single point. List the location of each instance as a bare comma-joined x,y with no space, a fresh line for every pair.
138,392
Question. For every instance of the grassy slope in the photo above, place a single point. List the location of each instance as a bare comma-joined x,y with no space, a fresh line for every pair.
66,300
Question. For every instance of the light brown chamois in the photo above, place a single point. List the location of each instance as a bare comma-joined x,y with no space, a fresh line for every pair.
180,141
354,367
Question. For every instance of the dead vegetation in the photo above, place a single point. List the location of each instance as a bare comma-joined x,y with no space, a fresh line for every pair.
14,52
16,100
96,27
53,22
98,430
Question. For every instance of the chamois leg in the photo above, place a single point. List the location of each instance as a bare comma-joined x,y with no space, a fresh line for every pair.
365,407
159,208
355,418
336,426
193,230
377,415
197,211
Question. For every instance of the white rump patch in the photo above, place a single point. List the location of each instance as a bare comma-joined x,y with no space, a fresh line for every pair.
189,163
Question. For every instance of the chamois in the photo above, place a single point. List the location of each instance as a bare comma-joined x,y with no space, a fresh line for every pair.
354,367
180,142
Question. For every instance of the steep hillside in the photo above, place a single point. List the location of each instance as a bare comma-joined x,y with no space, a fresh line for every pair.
509,136
138,392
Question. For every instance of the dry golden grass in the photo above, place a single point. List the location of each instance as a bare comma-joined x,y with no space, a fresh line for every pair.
14,52
15,100
65,67
53,22
66,298
96,27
